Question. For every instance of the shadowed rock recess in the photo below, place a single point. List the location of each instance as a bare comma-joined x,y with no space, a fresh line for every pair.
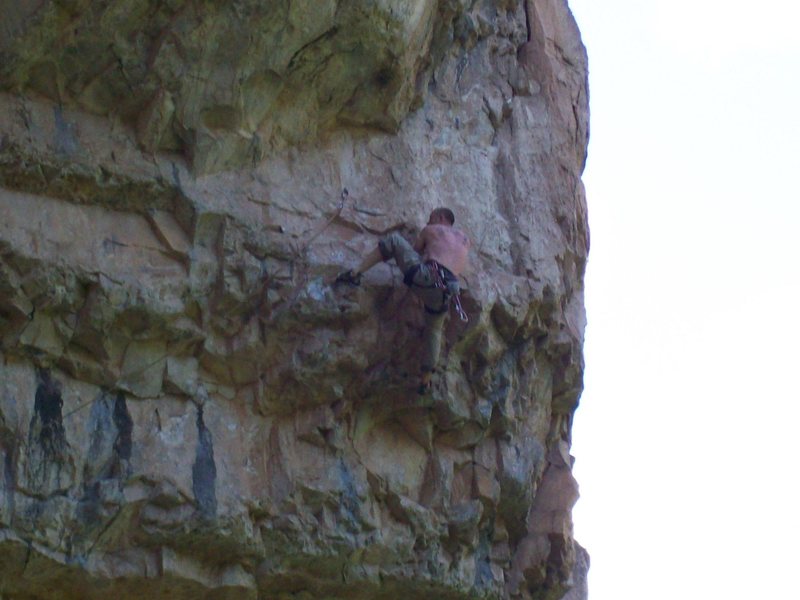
188,407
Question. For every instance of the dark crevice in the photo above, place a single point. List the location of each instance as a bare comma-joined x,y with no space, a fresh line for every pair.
528,19
204,470
323,36
10,478
124,423
48,463
47,410
108,455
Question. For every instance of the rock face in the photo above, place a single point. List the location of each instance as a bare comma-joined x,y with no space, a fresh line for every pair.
188,407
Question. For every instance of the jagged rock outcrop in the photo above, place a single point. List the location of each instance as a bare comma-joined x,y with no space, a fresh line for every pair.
188,407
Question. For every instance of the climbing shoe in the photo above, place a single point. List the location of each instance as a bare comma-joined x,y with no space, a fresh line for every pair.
349,277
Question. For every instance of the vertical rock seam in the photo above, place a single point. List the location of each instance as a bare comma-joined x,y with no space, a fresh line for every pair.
204,470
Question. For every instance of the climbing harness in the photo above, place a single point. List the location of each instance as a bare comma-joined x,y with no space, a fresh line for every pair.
442,278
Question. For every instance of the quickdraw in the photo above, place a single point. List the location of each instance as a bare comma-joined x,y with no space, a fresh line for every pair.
461,312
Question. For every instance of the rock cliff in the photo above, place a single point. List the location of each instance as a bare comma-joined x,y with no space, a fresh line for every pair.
188,407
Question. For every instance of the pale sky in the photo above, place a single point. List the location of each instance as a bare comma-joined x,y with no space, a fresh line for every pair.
687,437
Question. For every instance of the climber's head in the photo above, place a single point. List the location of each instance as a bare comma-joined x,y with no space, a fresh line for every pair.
441,216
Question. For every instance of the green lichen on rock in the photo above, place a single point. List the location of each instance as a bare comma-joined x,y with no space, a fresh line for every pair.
226,82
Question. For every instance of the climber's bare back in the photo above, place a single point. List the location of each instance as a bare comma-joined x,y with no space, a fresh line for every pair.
446,245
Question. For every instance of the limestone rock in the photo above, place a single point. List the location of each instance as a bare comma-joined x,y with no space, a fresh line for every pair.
188,406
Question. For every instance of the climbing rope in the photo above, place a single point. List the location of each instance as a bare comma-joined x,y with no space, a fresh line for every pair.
327,223
300,256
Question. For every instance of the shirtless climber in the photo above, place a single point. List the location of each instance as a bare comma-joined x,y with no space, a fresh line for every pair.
431,268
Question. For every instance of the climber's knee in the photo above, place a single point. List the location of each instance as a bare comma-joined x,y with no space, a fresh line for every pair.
386,248
432,339
396,246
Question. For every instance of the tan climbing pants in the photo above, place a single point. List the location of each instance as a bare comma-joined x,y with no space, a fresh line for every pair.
421,278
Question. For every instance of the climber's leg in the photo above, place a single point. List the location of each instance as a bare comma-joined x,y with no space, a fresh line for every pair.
391,246
431,346
395,246
369,261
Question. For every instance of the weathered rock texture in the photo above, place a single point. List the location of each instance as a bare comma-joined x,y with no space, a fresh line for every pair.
188,408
